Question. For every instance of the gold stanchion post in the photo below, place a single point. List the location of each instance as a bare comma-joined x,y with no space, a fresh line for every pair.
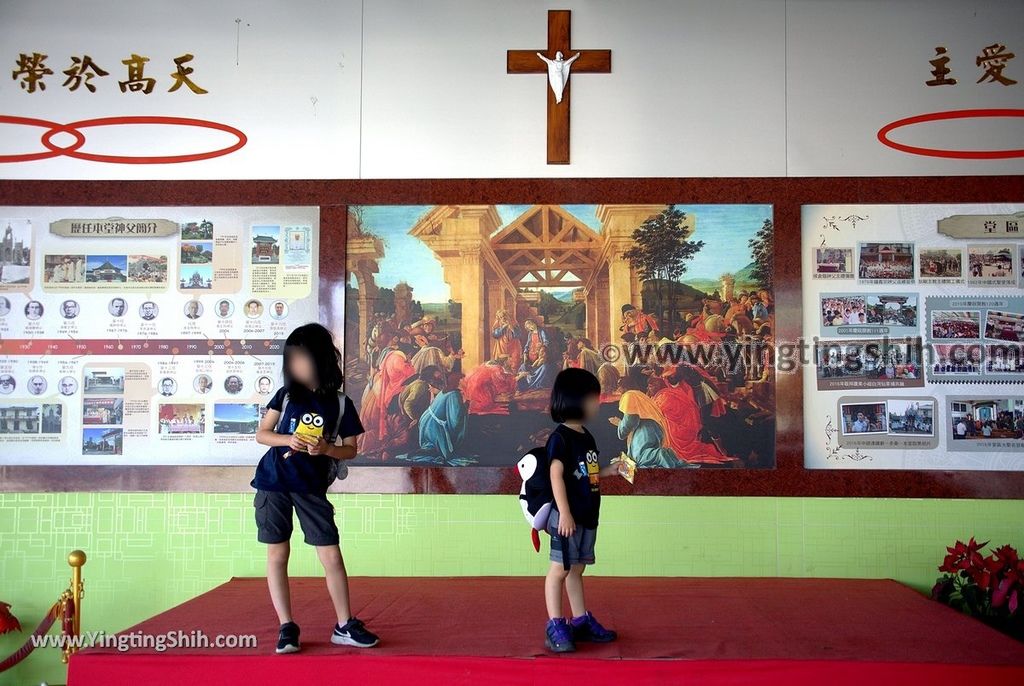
76,559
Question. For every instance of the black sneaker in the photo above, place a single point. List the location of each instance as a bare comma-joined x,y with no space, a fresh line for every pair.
354,633
288,638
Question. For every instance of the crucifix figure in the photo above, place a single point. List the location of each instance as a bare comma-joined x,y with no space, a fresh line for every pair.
558,72
552,62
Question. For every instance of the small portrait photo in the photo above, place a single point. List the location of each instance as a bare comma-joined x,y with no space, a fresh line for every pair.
197,231
148,311
19,419
956,324
236,418
147,268
69,309
102,441
843,311
1004,326
886,262
264,385
68,385
182,418
5,306
104,381
168,386
64,269
106,268
864,418
37,385
911,417
892,310
196,253
233,384
117,307
16,255
7,384
193,309
53,417
102,411
1004,358
202,384
33,310
195,277
266,244
833,260
941,263
253,309
278,309
224,308
991,264
958,359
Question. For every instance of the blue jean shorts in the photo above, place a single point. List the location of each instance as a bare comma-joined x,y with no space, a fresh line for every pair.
579,547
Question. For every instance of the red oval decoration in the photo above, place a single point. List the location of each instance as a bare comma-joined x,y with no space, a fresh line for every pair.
883,135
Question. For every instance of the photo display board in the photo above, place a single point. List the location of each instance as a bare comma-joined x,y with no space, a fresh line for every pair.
914,326
147,336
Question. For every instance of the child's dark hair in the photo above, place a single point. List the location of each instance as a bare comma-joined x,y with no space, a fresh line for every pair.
572,386
317,342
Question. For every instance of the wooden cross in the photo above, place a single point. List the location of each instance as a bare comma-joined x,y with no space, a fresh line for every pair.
589,62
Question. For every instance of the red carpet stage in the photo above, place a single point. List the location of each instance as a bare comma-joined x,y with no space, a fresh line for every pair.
489,630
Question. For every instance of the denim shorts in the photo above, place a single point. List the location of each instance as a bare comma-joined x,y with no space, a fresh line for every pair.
274,517
578,548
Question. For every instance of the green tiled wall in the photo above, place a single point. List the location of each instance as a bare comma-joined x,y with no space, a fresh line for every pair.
151,551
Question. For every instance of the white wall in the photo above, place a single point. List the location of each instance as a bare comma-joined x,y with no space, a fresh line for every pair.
417,88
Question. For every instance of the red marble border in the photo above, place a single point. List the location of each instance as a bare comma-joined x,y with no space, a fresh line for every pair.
789,478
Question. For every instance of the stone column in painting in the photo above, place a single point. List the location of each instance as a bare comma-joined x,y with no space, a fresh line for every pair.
617,225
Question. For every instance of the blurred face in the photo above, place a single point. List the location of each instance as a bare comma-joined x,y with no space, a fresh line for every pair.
167,386
192,308
234,384
264,385
279,308
531,325
35,309
223,307
117,307
252,308
301,368
591,406
147,310
37,385
67,386
70,309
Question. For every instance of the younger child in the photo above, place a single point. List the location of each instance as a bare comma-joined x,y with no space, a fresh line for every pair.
576,485
295,472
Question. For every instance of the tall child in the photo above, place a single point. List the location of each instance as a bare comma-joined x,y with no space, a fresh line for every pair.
576,485
295,472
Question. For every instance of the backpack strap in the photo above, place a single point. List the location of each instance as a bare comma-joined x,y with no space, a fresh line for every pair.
341,414
280,420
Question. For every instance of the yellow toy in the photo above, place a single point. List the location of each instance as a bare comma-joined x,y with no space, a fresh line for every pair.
310,430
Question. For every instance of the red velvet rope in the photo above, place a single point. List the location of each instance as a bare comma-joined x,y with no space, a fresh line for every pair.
41,630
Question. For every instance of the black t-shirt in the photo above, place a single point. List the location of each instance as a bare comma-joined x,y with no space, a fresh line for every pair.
578,452
301,472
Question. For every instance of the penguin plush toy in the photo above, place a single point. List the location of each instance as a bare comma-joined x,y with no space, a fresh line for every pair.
535,495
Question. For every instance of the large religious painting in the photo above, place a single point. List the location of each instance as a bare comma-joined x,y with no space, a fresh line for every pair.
459,317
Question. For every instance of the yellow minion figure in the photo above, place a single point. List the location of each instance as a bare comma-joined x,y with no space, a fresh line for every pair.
309,430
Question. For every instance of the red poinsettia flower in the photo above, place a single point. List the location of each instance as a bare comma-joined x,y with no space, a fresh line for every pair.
8,622
1008,579
963,557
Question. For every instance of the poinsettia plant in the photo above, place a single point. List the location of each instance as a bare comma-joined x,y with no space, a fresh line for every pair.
8,622
990,587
